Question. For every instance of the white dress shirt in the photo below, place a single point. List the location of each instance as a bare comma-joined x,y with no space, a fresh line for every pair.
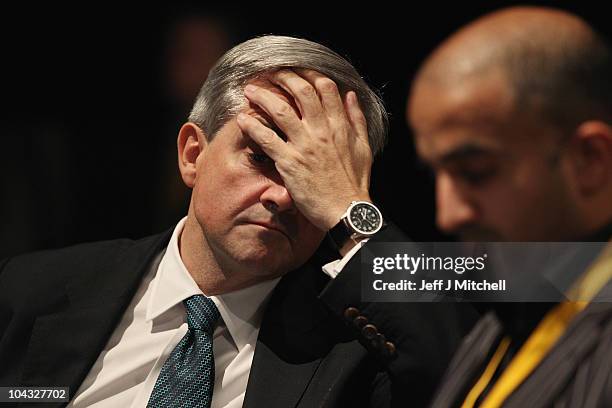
154,322
126,370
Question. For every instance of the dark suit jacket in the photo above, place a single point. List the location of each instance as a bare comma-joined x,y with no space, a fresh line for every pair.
59,308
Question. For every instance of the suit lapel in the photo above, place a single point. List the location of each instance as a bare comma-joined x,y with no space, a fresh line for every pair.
63,359
295,336
468,362
275,382
577,353
65,344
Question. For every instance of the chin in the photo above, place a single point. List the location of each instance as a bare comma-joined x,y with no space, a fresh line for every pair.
261,252
266,267
265,260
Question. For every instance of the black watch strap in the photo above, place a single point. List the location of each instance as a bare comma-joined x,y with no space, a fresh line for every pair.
340,234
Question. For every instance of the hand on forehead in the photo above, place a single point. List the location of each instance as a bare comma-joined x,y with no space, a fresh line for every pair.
325,134
308,92
269,82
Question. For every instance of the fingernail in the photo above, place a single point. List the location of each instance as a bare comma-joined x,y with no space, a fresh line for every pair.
250,89
241,117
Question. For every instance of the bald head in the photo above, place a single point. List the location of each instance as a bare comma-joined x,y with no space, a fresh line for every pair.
552,61
512,113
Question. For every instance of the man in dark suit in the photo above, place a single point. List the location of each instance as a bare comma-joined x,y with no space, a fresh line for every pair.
514,114
231,307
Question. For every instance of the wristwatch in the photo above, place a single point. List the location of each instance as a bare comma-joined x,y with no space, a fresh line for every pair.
362,219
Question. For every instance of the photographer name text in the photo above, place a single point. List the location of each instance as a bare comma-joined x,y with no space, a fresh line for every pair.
441,285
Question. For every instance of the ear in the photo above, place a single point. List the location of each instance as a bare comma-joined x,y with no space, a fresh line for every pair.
191,142
592,151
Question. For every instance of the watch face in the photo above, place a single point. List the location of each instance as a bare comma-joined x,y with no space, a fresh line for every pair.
365,218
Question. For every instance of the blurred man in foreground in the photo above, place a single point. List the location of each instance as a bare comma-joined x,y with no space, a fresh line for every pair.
514,114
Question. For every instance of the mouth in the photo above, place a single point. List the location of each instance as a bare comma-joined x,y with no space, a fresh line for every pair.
270,226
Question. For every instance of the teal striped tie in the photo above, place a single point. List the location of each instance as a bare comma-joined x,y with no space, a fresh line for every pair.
187,378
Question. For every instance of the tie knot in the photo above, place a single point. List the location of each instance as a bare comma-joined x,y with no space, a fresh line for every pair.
202,313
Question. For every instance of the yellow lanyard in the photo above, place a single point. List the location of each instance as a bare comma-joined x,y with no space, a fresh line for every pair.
479,387
543,338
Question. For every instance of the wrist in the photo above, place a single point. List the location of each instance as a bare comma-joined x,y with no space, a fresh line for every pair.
362,219
349,244
340,209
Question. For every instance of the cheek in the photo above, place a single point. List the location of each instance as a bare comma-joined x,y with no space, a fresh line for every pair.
527,196
503,199
222,192
538,185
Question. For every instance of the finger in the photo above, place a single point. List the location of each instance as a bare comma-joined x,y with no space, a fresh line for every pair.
356,116
266,138
303,93
280,111
328,91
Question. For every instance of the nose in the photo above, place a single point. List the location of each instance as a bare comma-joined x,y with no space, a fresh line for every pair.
277,199
454,211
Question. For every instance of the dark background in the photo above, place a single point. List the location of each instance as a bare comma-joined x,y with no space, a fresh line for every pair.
87,129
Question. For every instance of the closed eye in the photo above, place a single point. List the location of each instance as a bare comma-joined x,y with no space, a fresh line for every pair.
476,177
475,173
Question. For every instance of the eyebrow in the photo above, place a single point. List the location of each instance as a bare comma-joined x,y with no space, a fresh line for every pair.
466,151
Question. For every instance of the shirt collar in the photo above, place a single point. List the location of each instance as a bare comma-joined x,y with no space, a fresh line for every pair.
241,310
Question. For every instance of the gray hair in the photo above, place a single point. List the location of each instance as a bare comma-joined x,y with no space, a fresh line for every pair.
222,98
